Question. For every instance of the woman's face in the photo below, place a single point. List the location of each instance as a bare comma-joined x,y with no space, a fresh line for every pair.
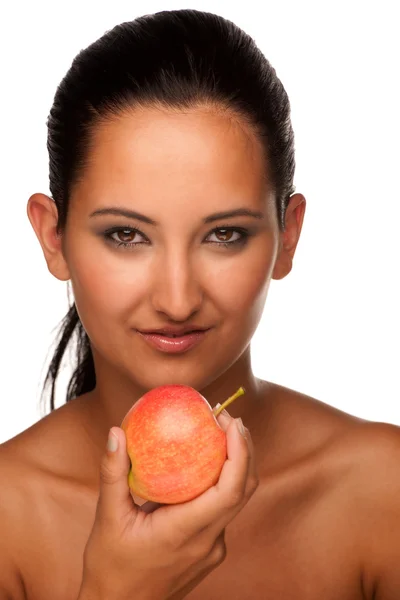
177,169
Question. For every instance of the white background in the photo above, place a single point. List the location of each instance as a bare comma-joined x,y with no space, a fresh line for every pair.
330,329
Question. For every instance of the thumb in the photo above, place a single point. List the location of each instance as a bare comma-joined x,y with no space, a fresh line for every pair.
115,499
224,418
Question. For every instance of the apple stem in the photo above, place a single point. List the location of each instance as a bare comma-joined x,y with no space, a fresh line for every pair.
240,392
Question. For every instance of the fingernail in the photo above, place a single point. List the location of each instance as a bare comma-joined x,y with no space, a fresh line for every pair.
240,426
223,412
112,443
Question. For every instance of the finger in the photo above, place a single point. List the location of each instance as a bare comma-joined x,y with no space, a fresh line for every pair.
224,418
114,496
252,475
241,484
216,507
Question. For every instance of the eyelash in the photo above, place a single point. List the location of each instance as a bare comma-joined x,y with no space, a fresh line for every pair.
242,240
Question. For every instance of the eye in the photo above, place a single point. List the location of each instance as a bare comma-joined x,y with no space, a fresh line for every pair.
227,235
124,236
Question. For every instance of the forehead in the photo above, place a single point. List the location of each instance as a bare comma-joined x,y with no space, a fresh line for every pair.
179,153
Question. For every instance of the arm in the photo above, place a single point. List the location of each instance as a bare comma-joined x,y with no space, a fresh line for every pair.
11,583
376,496
11,586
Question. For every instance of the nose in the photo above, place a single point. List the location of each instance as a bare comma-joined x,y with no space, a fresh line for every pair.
177,291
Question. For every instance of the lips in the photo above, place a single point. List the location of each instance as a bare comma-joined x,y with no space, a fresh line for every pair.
174,345
172,331
176,335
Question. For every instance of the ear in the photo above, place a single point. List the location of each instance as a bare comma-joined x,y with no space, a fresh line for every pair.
290,237
42,213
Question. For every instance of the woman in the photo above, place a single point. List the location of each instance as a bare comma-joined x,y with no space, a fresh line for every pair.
173,206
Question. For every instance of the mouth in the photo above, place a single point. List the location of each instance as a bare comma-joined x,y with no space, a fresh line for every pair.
176,335
174,332
174,343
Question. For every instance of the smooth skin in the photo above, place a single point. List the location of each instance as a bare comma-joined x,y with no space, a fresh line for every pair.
324,521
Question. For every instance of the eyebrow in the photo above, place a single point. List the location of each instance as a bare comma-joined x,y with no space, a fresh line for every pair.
131,214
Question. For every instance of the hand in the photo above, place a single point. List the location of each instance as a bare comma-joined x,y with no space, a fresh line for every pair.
161,552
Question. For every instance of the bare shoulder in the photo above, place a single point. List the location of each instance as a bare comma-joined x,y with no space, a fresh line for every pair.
51,447
24,507
44,489
374,496
313,427
12,510
363,457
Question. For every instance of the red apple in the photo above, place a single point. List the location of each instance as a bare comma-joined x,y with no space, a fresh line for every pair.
175,444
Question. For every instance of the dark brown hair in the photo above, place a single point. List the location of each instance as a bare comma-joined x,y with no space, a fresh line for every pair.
177,59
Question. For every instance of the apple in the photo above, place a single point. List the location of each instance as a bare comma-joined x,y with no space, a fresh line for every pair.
175,444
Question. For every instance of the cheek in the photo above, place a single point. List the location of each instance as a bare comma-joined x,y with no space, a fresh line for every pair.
104,286
242,285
